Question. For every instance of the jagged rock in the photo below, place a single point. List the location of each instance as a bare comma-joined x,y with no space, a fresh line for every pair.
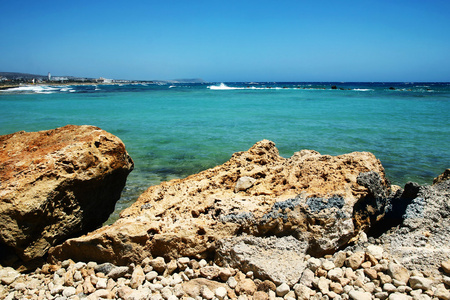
443,177
56,184
309,196
421,240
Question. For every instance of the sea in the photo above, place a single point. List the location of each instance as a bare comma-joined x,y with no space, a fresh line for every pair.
172,130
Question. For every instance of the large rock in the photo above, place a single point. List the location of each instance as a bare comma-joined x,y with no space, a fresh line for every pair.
421,241
280,260
315,198
56,184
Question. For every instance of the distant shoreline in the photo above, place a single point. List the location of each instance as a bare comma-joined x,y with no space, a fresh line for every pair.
11,86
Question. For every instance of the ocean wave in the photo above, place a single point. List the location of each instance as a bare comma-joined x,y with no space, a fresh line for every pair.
223,86
363,90
38,89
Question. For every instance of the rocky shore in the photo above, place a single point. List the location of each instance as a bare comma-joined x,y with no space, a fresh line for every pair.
361,272
260,226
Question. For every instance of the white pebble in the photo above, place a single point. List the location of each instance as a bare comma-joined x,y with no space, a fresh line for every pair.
221,293
282,289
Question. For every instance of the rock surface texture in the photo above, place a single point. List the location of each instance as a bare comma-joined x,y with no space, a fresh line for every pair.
56,184
323,201
422,240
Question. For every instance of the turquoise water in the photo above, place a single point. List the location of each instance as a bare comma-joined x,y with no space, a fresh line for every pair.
172,131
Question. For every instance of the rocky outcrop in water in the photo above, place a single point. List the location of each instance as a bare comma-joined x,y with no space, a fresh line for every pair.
323,201
56,184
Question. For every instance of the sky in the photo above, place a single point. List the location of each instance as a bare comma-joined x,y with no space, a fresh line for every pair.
225,41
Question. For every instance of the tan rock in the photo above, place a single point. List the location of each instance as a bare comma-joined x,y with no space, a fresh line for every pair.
308,195
260,295
246,286
56,184
445,265
398,272
193,288
355,260
210,272
339,259
137,277
371,273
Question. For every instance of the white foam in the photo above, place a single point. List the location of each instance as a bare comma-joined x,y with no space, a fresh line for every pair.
39,89
223,86
362,90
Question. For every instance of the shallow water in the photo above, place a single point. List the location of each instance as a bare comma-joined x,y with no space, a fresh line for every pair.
174,130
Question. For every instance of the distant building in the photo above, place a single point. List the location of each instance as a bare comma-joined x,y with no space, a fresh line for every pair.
49,76
103,80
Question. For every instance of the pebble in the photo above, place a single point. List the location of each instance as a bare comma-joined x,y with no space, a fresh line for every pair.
368,274
282,290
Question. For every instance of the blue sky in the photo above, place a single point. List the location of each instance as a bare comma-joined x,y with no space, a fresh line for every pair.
246,40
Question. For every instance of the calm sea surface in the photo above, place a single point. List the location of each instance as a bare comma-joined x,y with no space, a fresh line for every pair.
174,130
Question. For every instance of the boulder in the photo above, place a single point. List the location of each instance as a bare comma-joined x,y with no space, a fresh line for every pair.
312,197
56,184
421,240
280,260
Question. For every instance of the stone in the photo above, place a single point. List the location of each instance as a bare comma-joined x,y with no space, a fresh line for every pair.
339,259
302,292
193,288
375,251
420,238
151,275
102,283
117,272
244,183
272,258
69,291
323,285
371,273
307,277
221,292
207,293
282,290
335,274
137,277
328,265
418,282
442,293
232,283
266,286
57,184
8,275
336,287
88,287
358,295
246,286
210,272
224,274
158,264
381,295
399,272
312,196
171,267
443,177
166,292
445,265
314,263
355,260
260,295
399,296
389,287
